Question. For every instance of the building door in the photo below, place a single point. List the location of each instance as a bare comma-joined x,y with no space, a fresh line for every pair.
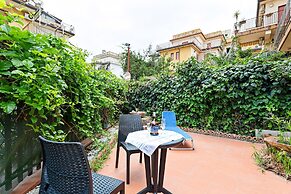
280,12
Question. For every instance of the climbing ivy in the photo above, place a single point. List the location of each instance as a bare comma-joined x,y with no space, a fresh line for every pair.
234,96
45,81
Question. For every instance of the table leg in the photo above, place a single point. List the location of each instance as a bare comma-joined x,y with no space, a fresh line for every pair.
162,167
149,186
148,170
155,173
155,160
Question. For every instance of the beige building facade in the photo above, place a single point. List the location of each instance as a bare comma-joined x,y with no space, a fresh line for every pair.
282,40
261,32
269,30
195,44
109,61
37,20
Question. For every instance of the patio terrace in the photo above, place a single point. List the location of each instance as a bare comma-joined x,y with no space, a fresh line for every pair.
216,166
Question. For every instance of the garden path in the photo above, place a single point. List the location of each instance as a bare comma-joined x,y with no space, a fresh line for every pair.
216,166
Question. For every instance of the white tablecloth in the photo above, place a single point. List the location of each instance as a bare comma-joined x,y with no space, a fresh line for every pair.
148,143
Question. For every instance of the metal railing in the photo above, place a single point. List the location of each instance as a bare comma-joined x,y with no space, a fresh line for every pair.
170,44
285,21
68,28
262,21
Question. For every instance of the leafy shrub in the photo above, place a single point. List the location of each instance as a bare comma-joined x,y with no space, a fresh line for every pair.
235,96
46,81
278,161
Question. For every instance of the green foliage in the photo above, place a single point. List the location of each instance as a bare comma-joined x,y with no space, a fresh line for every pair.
233,96
46,81
147,64
283,125
283,158
104,150
277,160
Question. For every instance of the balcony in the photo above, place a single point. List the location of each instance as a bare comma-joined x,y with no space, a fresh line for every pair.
205,46
283,30
168,45
262,21
195,42
68,28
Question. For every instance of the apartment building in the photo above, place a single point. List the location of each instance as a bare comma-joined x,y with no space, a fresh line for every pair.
37,20
269,30
109,61
282,40
196,44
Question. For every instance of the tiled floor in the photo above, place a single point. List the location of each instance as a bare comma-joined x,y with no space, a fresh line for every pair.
216,166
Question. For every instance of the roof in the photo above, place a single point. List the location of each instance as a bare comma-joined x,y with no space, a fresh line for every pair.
106,54
180,45
37,7
188,34
213,34
25,3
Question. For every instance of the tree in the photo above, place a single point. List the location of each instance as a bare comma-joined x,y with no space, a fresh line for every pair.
148,63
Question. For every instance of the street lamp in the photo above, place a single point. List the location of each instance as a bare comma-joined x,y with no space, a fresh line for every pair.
128,56
127,74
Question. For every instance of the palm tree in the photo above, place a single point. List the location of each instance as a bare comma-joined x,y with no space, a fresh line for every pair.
234,43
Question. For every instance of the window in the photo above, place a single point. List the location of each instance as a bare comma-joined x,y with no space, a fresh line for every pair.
172,55
177,55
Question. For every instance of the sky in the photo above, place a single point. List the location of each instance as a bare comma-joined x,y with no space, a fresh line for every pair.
108,24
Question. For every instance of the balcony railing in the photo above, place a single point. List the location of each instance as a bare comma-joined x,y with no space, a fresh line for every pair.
68,28
170,45
283,25
263,21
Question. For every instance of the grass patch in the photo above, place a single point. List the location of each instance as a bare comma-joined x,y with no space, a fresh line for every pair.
274,160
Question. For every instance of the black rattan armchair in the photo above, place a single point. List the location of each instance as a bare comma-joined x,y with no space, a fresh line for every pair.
128,123
66,170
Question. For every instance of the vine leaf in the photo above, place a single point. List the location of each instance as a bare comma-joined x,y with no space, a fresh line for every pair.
5,66
2,3
8,107
16,63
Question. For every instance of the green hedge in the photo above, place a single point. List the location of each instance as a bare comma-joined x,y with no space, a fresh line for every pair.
45,81
236,96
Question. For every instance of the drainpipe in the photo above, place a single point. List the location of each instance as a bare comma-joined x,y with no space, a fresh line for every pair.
257,18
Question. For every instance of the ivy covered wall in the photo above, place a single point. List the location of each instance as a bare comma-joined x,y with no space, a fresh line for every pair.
45,81
231,95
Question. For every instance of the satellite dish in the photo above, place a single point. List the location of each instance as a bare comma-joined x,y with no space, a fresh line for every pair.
127,75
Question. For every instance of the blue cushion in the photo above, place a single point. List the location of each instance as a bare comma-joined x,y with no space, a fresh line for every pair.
169,118
180,131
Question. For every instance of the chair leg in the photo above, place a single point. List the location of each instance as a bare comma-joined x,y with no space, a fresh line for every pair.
140,158
122,191
127,168
117,156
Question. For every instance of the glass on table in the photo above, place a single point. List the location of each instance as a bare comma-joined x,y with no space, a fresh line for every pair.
163,124
148,126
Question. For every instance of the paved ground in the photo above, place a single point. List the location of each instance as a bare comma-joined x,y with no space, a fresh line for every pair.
216,166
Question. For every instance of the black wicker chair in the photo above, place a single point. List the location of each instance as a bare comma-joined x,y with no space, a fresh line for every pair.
128,123
66,170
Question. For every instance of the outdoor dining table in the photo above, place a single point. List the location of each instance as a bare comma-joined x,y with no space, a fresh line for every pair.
155,169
